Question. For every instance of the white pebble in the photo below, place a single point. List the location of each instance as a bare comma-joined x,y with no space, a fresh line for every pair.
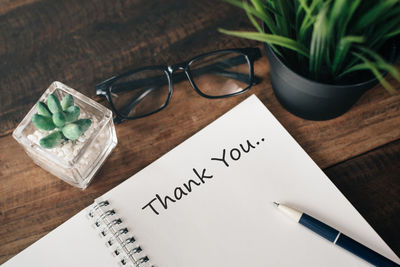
68,145
32,138
38,134
78,146
60,153
66,150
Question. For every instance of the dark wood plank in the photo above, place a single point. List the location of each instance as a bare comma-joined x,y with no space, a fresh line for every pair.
371,182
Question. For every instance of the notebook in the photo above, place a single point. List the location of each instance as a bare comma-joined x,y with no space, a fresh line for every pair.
208,202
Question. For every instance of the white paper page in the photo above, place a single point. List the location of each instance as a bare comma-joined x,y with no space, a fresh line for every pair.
229,220
73,244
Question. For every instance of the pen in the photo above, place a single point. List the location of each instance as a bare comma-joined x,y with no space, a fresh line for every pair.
336,237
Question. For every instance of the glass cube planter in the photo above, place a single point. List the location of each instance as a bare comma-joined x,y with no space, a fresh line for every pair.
77,161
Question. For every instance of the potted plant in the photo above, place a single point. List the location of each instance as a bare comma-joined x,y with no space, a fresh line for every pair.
324,54
67,134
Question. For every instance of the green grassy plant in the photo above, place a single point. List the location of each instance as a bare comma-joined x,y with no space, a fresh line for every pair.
338,40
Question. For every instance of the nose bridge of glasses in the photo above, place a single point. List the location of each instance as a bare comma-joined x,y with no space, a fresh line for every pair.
175,67
101,89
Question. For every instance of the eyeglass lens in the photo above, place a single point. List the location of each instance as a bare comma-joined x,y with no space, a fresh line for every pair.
221,74
140,93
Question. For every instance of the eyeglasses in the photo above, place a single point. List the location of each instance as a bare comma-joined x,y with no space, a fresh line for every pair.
147,90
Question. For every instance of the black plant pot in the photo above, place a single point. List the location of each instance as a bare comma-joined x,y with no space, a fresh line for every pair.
308,99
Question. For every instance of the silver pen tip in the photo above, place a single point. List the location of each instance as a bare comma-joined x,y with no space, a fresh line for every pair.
276,203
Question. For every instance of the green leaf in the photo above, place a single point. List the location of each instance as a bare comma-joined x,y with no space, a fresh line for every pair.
341,14
266,7
84,124
270,39
283,21
306,8
393,33
59,119
67,102
54,104
357,67
264,16
251,18
374,13
72,131
43,110
42,122
51,140
72,113
379,34
319,50
308,21
380,62
342,50
338,9
374,69
258,5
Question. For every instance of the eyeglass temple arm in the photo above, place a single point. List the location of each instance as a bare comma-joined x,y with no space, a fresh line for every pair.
253,53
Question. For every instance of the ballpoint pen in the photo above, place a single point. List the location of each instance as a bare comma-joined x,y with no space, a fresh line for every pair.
336,237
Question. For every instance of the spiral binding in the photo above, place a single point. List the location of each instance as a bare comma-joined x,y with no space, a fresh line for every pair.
118,237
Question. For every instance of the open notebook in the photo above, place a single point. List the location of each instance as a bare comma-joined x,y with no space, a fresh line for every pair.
208,202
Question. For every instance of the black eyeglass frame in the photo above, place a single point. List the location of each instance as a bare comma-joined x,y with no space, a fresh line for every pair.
104,88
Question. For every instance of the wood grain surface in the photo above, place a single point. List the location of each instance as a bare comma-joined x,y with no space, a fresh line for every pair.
371,183
81,43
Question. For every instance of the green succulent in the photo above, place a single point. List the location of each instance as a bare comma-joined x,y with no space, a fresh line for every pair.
62,116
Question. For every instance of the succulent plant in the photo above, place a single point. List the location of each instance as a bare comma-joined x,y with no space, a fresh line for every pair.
62,117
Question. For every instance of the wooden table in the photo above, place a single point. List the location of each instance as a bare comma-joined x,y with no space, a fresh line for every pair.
80,43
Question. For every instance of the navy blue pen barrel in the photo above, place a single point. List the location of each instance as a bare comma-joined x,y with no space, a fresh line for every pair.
345,242
363,252
319,227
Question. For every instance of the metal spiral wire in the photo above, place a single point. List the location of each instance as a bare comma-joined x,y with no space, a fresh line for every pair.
127,253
